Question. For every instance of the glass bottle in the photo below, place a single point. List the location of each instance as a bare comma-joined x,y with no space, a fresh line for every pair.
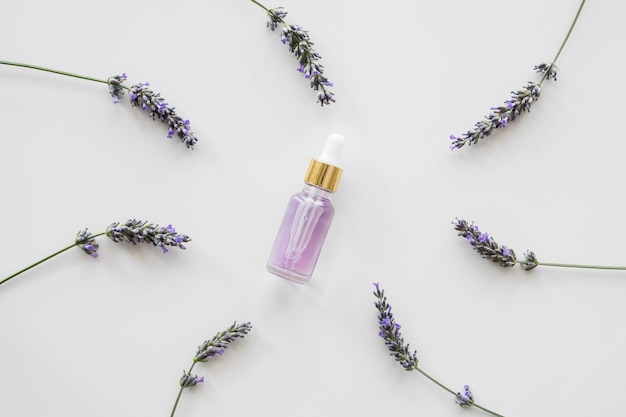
308,217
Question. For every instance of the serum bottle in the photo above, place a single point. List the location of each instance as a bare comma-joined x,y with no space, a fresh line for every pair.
308,217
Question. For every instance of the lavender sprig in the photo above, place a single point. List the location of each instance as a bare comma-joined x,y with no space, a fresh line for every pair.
389,330
520,101
209,348
139,231
133,231
484,244
140,96
500,116
300,44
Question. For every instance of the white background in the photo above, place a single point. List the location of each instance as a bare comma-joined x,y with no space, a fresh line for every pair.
110,337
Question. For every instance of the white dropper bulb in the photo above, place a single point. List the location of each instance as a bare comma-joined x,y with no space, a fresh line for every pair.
331,154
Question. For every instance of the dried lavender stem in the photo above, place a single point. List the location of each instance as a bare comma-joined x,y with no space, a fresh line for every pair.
454,393
562,265
390,332
300,44
435,381
180,391
46,258
54,71
519,103
569,32
208,349
260,5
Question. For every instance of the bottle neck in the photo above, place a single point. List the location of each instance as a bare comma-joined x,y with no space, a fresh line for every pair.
320,192
323,175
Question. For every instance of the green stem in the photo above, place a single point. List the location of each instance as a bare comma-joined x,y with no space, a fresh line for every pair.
180,391
611,267
54,71
260,5
455,394
268,10
46,258
569,32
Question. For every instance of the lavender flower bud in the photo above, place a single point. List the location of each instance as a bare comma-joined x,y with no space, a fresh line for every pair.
390,332
519,102
218,343
115,87
189,380
484,244
531,261
137,231
549,70
142,96
465,399
86,243
300,44
275,16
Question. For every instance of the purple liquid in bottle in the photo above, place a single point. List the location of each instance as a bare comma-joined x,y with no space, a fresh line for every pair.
307,219
302,235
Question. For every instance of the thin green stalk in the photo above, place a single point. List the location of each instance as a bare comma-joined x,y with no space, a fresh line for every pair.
180,391
454,393
561,265
54,71
569,32
267,10
260,5
46,258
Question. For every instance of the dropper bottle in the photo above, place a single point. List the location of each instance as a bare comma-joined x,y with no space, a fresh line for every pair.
308,217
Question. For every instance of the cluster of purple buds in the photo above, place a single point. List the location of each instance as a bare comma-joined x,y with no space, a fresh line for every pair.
141,96
138,231
116,89
189,380
87,243
548,69
390,332
530,261
484,244
465,399
275,17
500,116
218,343
300,44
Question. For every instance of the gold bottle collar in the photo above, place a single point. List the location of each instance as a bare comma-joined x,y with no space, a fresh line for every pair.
323,175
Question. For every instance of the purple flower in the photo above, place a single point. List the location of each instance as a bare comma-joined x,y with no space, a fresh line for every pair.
530,261
116,89
500,116
86,242
218,343
549,70
275,17
142,96
300,44
389,330
138,231
484,244
189,380
465,399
